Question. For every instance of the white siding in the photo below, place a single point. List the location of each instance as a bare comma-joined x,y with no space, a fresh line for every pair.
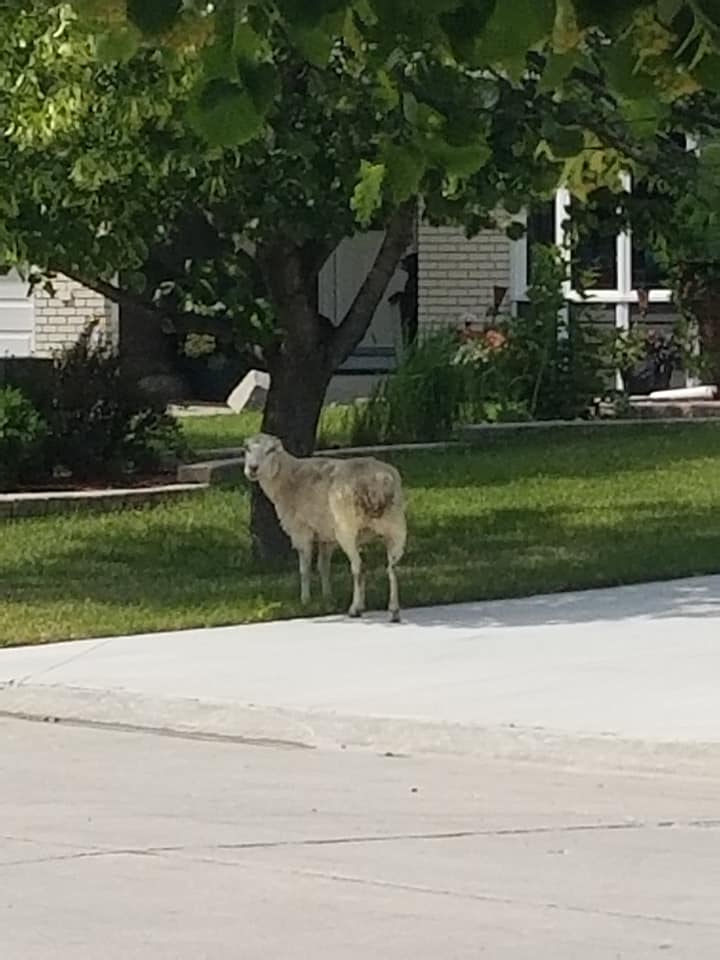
17,317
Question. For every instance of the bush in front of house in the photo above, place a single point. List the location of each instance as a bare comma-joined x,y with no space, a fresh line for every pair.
23,436
541,364
420,401
101,426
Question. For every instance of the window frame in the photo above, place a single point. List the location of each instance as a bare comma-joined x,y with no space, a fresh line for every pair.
622,296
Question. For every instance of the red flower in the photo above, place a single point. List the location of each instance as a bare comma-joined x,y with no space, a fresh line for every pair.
494,339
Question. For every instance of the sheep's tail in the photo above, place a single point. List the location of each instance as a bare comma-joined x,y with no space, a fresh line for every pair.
374,498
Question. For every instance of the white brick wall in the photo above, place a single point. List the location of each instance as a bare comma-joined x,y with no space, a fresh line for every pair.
457,275
60,319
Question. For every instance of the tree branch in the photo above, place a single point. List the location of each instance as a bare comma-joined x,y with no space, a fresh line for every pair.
184,322
123,298
398,236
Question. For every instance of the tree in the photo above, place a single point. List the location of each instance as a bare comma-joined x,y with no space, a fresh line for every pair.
213,158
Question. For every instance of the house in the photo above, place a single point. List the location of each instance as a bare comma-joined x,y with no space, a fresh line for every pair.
39,325
457,281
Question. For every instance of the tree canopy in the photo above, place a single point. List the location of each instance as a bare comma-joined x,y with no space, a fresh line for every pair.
199,162
180,143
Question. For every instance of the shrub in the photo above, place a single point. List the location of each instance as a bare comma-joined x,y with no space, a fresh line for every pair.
421,401
538,364
544,363
101,425
22,440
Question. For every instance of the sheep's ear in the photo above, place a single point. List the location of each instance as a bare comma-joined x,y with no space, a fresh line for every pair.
272,466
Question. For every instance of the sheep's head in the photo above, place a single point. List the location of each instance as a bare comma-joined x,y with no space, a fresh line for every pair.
260,455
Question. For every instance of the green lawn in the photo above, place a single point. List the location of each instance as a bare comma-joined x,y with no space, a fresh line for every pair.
530,514
230,430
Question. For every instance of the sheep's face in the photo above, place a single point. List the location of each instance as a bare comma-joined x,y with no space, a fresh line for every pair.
260,455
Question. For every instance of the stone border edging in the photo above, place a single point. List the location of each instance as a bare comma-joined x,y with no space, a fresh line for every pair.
225,465
472,432
57,502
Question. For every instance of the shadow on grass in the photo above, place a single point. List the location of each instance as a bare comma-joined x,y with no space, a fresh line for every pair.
524,552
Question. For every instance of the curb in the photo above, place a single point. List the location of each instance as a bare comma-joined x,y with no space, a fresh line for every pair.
268,726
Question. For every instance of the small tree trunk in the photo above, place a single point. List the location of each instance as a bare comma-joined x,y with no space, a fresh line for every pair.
298,383
700,295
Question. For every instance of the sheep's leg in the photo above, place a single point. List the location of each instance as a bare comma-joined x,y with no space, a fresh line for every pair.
394,602
325,552
305,559
357,608
348,542
395,550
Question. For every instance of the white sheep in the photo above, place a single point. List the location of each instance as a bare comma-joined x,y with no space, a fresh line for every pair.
332,502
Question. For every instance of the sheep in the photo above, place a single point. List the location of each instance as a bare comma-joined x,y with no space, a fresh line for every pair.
332,502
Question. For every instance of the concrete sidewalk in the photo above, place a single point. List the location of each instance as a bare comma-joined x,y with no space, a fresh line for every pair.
604,668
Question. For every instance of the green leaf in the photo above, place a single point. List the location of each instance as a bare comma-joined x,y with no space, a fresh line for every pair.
515,27
117,46
314,43
218,61
711,10
153,16
310,12
405,166
136,280
225,114
246,42
516,230
566,141
669,9
387,91
645,115
459,161
410,108
610,15
513,204
621,65
566,32
263,84
464,24
557,67
367,196
707,72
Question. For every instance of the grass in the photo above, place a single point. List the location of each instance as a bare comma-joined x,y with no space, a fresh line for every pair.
526,515
230,430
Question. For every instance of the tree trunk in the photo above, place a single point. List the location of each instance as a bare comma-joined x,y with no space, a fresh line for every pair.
312,349
298,383
700,295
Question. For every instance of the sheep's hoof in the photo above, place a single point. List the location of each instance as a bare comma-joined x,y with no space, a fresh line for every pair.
355,614
395,616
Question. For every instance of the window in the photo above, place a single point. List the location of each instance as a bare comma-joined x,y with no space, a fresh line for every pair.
619,268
